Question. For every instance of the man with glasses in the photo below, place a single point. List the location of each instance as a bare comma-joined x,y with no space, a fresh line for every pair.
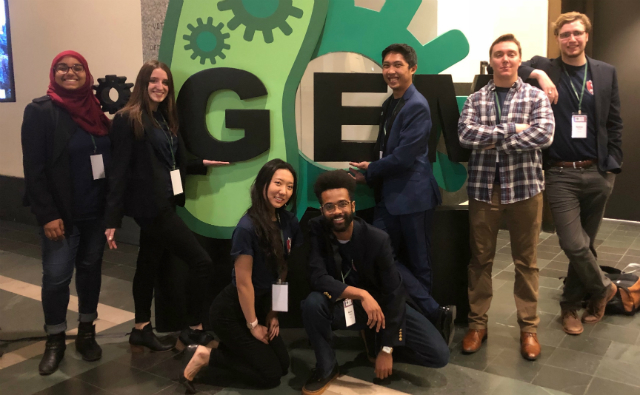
582,162
402,178
356,285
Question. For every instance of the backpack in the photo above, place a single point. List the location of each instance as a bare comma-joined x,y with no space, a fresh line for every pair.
627,299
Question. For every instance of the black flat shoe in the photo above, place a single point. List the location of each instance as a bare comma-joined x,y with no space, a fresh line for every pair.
145,337
444,323
190,336
86,342
189,352
53,353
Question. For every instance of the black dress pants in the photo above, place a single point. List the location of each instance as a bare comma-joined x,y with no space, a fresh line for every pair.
257,363
159,238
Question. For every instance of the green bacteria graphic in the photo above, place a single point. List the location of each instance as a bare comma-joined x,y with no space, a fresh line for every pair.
261,15
206,41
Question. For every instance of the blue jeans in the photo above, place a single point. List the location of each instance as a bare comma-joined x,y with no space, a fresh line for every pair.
423,346
82,249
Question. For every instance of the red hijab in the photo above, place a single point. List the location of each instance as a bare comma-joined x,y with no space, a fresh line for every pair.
81,103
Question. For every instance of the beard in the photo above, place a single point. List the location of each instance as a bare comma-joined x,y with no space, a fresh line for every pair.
348,219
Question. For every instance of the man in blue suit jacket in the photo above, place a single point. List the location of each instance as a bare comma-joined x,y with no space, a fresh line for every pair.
406,190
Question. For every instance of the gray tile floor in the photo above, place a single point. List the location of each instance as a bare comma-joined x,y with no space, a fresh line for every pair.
603,360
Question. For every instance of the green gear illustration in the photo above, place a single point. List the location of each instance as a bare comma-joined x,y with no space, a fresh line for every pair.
206,41
263,15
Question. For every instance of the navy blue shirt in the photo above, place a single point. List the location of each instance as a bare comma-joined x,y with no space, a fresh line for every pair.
349,272
502,97
245,242
565,148
88,194
164,142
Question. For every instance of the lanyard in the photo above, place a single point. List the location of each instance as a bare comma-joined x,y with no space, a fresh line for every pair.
498,107
169,137
346,275
584,82
95,147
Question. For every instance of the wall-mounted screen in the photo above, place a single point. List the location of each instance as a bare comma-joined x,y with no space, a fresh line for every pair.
7,86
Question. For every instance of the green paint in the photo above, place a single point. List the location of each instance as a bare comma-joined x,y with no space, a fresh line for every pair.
261,8
206,41
264,15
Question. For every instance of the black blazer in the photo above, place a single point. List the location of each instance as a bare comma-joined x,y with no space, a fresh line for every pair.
137,180
374,262
46,130
607,117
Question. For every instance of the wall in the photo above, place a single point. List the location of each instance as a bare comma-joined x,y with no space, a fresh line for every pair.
615,38
106,32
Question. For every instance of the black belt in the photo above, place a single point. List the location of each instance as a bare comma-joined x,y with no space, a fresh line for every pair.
581,164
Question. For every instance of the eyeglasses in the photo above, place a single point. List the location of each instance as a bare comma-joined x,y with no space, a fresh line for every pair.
330,207
576,34
64,68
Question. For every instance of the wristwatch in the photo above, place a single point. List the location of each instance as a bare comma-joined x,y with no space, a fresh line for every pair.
388,350
252,325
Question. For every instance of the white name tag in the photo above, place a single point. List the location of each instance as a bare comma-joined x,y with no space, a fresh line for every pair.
349,313
579,126
97,166
380,155
176,182
280,297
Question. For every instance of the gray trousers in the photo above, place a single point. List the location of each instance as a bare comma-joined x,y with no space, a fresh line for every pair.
577,198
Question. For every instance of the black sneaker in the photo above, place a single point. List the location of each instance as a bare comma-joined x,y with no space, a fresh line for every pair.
316,384
444,323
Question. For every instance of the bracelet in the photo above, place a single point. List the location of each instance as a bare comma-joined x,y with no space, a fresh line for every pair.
252,325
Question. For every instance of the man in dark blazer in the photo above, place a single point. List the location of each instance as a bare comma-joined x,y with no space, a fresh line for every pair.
406,190
582,161
356,285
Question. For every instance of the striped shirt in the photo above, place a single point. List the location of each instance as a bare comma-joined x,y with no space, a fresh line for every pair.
518,154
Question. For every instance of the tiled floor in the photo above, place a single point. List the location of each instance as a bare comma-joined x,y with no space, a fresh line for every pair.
603,360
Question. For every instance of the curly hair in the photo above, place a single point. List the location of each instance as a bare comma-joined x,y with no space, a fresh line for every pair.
335,179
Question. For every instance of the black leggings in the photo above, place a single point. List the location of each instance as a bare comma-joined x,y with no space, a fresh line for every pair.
159,238
257,363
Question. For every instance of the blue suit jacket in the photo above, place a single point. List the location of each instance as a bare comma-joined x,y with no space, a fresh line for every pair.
403,175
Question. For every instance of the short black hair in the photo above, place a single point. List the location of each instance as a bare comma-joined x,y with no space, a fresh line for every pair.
407,52
335,179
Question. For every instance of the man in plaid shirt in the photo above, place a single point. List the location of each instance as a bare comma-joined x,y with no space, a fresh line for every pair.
506,123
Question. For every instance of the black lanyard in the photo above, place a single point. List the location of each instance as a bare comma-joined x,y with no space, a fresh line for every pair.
498,107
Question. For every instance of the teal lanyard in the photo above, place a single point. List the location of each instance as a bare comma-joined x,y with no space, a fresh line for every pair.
95,147
584,82
498,108
346,275
169,137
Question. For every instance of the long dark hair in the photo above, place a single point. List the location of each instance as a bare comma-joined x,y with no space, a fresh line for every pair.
268,233
140,101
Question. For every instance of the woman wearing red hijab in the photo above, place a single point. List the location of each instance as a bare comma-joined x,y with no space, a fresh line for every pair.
66,149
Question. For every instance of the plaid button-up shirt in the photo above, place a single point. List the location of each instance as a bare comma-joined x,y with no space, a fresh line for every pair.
519,154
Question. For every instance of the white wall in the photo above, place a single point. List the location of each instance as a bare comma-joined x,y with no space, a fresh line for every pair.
482,21
106,32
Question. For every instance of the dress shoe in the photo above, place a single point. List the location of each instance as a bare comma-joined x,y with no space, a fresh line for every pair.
317,384
571,323
473,340
529,346
86,342
595,308
444,323
53,353
145,337
190,336
189,352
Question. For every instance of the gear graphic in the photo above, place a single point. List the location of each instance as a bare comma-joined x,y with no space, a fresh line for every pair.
263,15
206,41
104,88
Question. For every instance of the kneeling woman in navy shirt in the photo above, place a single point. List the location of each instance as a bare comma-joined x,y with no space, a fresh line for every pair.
242,315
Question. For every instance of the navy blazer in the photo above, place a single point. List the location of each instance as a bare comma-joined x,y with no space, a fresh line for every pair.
608,121
403,174
377,272
137,182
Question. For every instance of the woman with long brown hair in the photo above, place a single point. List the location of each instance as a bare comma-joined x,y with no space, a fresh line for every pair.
146,183
243,314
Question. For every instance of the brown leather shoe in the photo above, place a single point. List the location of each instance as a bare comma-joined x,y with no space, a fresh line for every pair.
473,340
595,308
570,322
529,346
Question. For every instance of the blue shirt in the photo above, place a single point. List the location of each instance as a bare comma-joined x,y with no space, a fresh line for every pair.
565,148
88,194
245,242
349,272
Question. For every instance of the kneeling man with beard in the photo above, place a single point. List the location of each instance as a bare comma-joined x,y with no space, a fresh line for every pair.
356,285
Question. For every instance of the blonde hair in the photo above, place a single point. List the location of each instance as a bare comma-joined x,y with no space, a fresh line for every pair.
570,17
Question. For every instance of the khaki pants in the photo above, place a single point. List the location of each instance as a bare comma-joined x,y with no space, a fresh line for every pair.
523,220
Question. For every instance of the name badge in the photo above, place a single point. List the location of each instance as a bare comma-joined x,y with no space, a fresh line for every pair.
349,313
176,182
97,166
579,126
380,155
280,297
